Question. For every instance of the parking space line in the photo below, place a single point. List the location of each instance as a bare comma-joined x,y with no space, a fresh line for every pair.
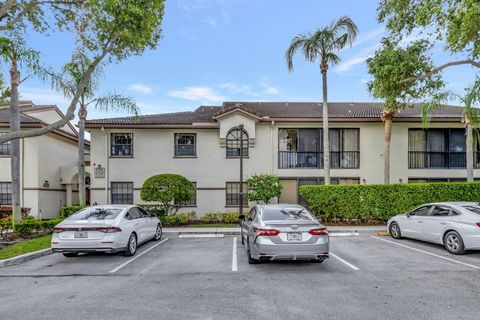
137,256
234,255
344,261
429,253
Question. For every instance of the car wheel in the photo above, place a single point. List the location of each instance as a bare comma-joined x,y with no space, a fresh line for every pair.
131,246
249,255
158,233
395,230
243,241
453,243
70,254
318,260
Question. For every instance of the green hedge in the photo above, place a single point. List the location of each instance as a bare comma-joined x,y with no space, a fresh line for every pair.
69,210
178,219
381,202
29,226
229,217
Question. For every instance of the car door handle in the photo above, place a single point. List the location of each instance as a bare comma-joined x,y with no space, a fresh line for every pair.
443,223
420,221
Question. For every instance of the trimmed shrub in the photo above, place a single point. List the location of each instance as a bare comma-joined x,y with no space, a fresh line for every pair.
263,188
229,217
170,190
177,219
31,226
69,210
381,202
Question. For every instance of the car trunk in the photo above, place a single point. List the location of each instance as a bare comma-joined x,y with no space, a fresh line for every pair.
293,232
83,229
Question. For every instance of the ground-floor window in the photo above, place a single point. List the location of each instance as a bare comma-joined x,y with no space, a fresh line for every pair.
423,180
5,193
122,192
233,194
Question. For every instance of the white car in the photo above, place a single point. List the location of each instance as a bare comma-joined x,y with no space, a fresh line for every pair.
106,228
455,225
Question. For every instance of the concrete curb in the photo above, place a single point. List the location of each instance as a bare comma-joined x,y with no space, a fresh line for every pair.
25,257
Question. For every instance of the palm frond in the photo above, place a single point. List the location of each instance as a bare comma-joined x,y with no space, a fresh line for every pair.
346,26
429,107
115,102
298,42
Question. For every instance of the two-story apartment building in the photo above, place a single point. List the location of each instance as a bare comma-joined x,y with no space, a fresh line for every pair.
48,179
284,139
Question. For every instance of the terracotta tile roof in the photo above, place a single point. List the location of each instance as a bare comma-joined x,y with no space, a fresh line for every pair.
281,110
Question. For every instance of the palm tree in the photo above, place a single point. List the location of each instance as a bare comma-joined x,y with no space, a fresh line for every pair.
323,45
71,74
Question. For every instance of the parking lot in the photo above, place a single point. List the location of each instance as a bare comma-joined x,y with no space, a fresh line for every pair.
367,277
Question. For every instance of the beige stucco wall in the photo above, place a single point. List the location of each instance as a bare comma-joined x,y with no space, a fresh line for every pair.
154,154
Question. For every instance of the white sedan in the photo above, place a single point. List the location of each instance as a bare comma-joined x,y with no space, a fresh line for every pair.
106,228
455,225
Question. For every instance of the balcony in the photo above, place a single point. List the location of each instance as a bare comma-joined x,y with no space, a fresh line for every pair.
438,160
300,159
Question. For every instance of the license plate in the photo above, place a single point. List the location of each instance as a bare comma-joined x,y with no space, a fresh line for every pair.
294,236
81,234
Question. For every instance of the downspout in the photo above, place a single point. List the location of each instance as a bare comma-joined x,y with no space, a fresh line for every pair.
272,148
107,165
22,173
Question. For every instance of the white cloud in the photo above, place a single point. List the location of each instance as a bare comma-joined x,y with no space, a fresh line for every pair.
368,36
350,63
197,93
235,88
140,88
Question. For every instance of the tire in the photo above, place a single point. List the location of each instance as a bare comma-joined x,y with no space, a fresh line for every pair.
318,261
395,231
243,241
158,233
131,246
453,242
249,255
70,254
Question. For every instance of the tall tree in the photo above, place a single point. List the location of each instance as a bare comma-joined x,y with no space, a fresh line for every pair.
388,66
105,28
323,45
71,75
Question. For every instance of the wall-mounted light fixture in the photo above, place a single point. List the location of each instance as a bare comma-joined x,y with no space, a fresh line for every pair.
364,181
46,184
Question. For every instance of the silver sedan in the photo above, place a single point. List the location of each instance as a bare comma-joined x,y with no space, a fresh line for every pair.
283,232
455,225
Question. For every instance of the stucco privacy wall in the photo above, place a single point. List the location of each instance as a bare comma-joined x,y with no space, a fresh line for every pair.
154,154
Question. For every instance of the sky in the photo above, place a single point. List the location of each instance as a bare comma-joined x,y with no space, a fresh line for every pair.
232,50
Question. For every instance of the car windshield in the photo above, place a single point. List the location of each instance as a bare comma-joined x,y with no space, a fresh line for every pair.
286,214
473,208
94,214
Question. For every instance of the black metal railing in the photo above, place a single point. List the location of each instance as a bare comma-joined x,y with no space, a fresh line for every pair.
302,159
437,160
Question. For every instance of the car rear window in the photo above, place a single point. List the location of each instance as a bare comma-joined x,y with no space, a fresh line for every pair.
286,214
474,209
94,214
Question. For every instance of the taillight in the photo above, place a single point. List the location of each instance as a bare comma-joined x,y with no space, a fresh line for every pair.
319,232
109,229
57,229
478,224
267,232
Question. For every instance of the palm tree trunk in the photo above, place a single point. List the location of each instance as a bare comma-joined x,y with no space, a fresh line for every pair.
326,141
469,152
82,115
15,144
387,118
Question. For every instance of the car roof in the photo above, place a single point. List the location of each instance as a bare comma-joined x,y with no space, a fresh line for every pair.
452,204
280,206
120,206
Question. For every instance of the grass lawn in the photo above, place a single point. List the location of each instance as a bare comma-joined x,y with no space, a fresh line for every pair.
25,247
211,225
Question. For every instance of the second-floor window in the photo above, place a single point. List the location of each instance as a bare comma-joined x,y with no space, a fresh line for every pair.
234,143
185,144
121,145
303,148
436,149
4,147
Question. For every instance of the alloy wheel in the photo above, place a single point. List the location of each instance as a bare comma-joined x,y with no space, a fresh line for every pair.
453,243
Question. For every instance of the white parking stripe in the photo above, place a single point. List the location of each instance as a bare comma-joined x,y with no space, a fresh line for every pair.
137,256
429,253
344,261
234,255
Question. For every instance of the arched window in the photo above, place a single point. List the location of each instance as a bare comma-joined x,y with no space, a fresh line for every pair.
233,143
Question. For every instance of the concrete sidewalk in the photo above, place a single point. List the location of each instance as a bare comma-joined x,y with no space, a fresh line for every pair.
236,231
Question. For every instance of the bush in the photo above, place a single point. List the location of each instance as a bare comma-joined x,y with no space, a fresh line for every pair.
263,188
155,209
69,210
230,217
381,202
177,219
31,226
170,190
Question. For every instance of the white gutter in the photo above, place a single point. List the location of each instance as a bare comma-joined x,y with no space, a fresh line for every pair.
272,160
107,165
